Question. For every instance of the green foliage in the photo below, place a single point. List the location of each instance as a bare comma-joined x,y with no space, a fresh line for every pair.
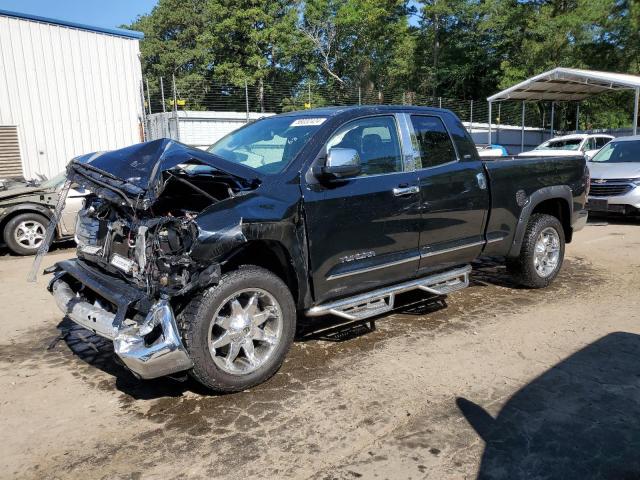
385,50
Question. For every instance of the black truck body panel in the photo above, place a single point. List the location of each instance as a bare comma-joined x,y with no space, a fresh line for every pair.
342,237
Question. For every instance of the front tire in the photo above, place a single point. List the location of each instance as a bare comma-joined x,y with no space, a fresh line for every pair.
238,332
24,233
541,254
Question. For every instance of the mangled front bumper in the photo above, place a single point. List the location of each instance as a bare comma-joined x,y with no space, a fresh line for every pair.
149,346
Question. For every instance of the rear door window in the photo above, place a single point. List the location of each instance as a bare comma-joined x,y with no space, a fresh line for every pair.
434,143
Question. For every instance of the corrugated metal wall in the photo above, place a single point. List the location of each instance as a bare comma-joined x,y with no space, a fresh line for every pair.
197,128
69,91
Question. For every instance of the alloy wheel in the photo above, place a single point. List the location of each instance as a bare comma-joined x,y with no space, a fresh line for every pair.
245,331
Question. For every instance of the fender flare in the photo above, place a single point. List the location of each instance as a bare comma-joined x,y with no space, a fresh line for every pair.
25,207
22,208
562,192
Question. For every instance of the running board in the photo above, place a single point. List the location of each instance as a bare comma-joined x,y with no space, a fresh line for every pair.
382,300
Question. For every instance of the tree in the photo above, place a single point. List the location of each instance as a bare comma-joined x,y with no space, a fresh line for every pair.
384,50
171,44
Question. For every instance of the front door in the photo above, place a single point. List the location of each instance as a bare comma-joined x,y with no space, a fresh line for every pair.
453,193
74,203
363,232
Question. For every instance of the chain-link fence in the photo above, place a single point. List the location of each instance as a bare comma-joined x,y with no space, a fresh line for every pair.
280,96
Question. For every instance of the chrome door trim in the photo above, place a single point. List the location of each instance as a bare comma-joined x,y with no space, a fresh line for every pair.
408,141
460,247
373,268
411,259
452,249
494,240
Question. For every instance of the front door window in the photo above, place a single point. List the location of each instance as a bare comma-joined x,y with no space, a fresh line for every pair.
376,141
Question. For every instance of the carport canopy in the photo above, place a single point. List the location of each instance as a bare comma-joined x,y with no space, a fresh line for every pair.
568,84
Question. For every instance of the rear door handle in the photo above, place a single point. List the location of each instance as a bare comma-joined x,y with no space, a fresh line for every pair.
401,191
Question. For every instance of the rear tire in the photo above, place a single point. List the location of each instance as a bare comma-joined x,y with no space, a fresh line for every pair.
25,232
541,254
238,332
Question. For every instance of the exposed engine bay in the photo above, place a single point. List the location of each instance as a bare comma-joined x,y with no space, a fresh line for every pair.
151,247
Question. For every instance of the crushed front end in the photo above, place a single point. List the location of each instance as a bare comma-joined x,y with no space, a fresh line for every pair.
134,264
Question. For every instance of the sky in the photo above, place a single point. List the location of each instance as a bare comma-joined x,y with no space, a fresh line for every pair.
98,13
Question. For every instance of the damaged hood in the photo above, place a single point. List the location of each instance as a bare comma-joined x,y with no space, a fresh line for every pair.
137,170
20,191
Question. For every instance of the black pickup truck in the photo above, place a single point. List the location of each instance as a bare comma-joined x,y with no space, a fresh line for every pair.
199,262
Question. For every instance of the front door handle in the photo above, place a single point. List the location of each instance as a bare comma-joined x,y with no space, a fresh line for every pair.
482,181
402,191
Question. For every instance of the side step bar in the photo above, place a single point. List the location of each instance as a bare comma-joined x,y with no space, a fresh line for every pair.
382,300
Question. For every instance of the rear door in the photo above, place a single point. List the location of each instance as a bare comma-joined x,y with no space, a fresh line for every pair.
363,231
454,192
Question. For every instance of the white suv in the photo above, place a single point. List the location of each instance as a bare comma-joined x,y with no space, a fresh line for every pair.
569,145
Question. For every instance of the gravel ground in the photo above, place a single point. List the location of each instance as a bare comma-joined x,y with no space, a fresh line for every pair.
493,382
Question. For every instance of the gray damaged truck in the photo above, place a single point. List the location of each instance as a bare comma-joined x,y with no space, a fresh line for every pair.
201,262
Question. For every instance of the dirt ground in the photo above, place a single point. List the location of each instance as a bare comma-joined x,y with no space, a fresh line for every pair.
494,382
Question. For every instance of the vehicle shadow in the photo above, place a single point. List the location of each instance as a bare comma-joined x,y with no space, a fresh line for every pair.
603,219
64,245
492,271
580,419
98,352
335,329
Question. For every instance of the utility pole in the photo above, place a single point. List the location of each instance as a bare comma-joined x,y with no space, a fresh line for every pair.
162,93
309,86
635,112
246,98
148,95
489,139
175,106
143,123
471,118
522,130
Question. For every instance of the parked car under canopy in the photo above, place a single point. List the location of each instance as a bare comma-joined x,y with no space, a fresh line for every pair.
564,85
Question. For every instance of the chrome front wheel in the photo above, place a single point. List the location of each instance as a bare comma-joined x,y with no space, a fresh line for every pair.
239,330
245,331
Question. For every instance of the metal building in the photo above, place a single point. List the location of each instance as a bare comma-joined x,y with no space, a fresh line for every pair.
198,129
65,89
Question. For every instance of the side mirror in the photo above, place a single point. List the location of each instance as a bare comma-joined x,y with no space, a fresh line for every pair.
341,163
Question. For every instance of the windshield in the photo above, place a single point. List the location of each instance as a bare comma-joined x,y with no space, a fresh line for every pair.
619,152
568,144
267,145
54,182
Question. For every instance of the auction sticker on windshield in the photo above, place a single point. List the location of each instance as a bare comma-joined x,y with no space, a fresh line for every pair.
307,122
